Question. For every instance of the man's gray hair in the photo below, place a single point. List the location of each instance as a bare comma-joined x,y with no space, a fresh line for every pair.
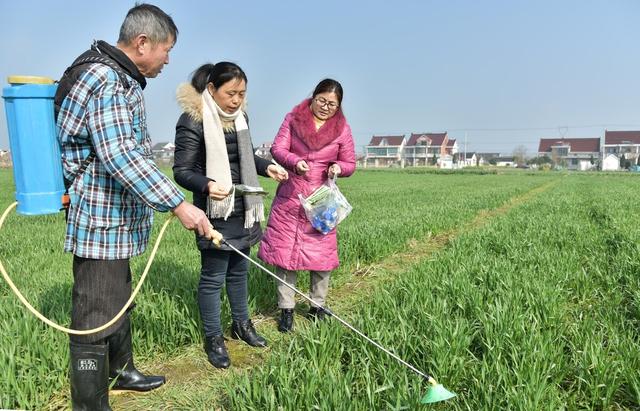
150,20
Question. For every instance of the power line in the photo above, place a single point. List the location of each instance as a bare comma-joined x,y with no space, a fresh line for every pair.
496,129
546,128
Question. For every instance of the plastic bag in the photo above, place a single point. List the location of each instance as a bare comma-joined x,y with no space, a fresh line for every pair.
326,207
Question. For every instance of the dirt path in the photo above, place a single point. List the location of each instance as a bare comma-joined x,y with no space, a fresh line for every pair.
190,366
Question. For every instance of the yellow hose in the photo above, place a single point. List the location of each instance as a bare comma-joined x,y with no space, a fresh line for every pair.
94,330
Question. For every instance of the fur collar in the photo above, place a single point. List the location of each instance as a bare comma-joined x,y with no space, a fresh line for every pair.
190,101
305,127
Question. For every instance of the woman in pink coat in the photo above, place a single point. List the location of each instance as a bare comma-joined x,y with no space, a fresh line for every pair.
315,143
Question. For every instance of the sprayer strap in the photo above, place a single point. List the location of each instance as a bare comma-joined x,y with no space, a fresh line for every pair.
85,164
66,200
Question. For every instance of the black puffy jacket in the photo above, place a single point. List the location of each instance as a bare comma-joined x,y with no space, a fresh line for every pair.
189,172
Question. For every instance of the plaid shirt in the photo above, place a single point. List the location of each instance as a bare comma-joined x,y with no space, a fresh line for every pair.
112,202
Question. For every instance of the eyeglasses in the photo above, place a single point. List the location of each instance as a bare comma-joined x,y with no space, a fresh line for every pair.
331,105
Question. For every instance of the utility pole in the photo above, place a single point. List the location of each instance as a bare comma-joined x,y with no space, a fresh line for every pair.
465,148
365,159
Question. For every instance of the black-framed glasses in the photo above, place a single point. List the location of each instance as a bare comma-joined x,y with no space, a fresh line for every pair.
331,105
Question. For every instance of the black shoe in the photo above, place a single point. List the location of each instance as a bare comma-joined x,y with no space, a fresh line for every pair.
244,330
285,324
121,367
217,351
316,314
89,377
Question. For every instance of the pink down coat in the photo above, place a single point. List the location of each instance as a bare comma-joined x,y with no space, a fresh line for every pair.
289,240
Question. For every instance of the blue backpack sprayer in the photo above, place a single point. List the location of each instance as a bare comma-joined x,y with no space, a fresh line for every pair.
34,148
40,190
37,170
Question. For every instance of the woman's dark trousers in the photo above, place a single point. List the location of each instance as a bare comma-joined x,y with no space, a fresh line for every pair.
220,267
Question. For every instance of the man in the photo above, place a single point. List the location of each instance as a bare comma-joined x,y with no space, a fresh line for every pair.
114,187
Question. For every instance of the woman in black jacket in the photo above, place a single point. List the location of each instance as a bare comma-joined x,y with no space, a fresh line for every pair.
214,153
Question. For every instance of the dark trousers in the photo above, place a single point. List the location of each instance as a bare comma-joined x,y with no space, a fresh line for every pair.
100,289
218,267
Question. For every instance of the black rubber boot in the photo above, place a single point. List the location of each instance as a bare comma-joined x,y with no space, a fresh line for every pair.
285,324
316,314
89,377
246,332
217,351
121,367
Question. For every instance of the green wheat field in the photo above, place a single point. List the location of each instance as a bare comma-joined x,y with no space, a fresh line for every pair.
516,290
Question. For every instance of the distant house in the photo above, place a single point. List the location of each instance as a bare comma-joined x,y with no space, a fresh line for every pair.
384,151
427,148
470,160
485,158
264,151
572,153
163,151
621,143
610,162
451,147
445,161
505,161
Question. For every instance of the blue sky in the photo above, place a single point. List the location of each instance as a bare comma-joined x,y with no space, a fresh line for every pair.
501,73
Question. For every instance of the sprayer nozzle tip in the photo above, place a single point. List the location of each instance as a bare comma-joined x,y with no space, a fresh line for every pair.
437,393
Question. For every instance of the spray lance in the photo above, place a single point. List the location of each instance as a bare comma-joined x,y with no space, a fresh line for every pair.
436,392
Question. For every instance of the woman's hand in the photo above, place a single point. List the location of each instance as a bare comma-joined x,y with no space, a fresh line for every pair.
216,191
302,167
334,170
277,173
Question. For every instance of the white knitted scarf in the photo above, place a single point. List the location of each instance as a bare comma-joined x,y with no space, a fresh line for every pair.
217,161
